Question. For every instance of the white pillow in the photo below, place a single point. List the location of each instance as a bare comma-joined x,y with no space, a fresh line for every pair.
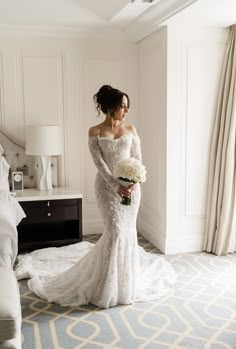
18,210
4,172
6,253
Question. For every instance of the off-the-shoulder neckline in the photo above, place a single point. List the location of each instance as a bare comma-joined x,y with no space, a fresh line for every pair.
114,139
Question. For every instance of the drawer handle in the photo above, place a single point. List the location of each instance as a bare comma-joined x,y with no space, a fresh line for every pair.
48,203
49,214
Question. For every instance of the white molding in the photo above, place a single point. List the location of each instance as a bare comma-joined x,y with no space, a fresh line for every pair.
184,129
103,8
10,117
58,57
186,186
209,42
2,104
150,21
70,32
74,144
45,31
144,25
18,99
65,156
20,87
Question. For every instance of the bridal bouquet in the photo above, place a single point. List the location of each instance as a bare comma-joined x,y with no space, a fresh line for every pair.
129,171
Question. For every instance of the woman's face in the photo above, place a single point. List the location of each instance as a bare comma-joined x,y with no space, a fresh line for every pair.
122,111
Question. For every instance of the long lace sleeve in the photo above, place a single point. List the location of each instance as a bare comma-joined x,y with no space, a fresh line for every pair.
101,164
136,148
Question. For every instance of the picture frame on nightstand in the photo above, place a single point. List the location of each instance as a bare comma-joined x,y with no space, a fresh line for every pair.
17,180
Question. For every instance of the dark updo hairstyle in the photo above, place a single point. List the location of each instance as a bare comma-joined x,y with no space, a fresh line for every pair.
109,99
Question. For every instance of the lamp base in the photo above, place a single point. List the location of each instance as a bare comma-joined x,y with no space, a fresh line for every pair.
45,173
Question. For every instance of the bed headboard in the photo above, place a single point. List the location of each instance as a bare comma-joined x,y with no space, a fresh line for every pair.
14,152
15,155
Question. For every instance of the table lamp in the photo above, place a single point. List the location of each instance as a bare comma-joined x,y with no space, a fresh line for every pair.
44,141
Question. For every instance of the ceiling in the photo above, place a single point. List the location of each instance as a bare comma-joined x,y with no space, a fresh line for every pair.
107,19
217,13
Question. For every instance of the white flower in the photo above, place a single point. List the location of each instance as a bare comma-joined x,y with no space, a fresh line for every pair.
130,169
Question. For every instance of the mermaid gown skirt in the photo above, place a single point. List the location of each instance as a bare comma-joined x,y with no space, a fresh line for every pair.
113,271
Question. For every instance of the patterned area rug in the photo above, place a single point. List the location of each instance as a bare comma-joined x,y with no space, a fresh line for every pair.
199,312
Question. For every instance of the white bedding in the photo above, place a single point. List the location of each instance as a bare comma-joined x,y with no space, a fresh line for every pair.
11,214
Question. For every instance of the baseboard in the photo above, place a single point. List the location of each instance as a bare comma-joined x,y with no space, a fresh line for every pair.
157,239
92,227
168,245
184,245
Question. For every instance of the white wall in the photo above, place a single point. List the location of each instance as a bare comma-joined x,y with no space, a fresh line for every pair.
194,66
153,116
171,78
52,81
194,57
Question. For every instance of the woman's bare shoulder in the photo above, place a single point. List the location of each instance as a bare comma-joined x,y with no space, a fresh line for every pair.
94,131
131,128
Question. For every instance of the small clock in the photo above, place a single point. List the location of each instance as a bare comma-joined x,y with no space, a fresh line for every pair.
17,180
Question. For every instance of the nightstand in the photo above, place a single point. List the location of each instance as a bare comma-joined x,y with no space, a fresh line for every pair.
53,218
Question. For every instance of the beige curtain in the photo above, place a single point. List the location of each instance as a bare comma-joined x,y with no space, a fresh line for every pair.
221,210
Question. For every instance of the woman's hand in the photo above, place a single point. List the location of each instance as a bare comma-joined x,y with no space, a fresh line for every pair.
123,191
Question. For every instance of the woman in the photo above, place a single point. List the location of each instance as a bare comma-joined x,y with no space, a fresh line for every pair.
114,270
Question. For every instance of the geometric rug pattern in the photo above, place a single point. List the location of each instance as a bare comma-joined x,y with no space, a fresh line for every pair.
198,313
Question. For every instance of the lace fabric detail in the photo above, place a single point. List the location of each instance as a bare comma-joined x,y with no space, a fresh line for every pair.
101,165
113,271
136,148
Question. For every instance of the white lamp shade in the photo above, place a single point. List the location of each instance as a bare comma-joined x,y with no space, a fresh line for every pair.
43,140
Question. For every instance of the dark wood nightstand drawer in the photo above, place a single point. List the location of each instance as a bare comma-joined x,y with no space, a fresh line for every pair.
46,211
49,203
54,218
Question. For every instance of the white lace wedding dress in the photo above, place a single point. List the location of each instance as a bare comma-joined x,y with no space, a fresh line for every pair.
113,271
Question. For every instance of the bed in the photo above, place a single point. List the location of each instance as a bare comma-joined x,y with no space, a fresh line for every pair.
11,214
12,158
